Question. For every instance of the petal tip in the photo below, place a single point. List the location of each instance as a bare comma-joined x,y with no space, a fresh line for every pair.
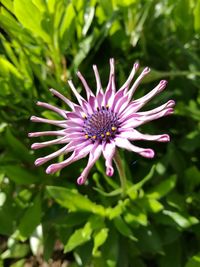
32,118
80,180
109,171
136,65
148,153
49,170
39,161
34,146
171,103
146,70
164,138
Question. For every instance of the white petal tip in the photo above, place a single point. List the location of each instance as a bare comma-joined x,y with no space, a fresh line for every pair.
112,60
33,118
136,65
146,70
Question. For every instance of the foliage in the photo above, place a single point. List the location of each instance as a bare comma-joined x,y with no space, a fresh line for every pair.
156,223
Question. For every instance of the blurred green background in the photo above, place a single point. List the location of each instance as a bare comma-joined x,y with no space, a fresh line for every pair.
49,218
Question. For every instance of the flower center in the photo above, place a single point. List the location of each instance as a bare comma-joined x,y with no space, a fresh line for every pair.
101,125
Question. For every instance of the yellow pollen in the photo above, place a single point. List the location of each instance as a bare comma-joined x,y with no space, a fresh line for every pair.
102,135
84,116
107,106
107,133
86,136
114,128
94,137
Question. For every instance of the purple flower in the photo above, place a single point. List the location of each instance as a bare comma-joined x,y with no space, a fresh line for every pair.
101,123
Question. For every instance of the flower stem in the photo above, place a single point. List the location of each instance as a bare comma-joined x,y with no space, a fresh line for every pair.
121,171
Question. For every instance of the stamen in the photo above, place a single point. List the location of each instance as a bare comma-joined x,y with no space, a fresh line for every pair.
84,116
107,106
101,125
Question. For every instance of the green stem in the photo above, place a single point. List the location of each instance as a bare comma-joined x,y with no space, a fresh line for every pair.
121,171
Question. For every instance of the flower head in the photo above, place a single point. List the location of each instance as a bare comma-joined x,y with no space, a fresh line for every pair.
101,123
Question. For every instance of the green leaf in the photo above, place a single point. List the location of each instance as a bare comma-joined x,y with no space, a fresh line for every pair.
197,16
74,201
183,220
67,27
123,228
30,219
192,178
7,68
49,239
89,16
30,17
194,261
99,239
135,217
133,189
172,255
19,263
2,198
150,204
163,188
20,175
17,148
8,4
112,212
84,234
16,251
149,240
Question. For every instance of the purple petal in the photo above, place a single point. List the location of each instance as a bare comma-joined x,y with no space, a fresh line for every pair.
54,122
87,88
138,81
62,97
110,90
77,154
98,81
61,140
108,153
47,133
55,109
45,159
126,85
136,120
135,135
93,157
124,143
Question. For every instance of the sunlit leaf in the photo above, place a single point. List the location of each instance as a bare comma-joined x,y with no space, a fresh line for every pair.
74,201
30,219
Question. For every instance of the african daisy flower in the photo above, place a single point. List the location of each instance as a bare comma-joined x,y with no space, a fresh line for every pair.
101,123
